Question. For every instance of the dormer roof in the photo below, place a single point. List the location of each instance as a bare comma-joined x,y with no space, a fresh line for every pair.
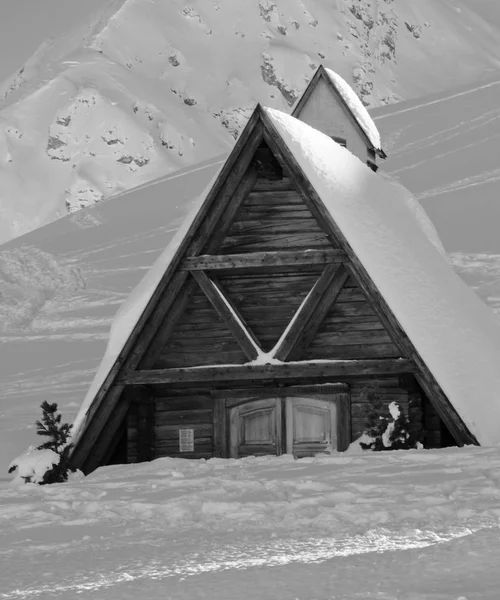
352,104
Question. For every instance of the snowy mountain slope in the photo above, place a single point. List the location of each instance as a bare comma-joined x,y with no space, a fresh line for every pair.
146,88
444,148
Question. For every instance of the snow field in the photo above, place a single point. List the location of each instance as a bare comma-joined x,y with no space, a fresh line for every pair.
400,525
344,493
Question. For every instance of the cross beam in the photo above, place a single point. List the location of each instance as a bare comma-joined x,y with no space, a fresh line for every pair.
278,258
290,370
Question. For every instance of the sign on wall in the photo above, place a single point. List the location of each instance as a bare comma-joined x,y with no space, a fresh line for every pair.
186,440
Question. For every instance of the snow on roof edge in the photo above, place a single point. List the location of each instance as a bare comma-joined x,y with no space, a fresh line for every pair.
357,108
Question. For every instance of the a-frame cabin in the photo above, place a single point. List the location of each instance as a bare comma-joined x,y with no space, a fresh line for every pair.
270,315
330,105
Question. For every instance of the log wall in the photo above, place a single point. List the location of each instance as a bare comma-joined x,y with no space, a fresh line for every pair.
178,407
350,330
200,338
274,220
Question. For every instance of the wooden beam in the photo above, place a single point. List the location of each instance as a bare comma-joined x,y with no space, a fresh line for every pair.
313,310
326,301
145,426
282,371
220,428
228,313
344,421
280,392
252,260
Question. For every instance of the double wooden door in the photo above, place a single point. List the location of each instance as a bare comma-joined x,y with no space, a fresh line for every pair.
302,426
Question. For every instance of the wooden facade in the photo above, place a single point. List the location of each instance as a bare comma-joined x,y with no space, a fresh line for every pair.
264,334
323,107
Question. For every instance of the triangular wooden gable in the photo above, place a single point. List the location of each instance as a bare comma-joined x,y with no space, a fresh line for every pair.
322,75
214,287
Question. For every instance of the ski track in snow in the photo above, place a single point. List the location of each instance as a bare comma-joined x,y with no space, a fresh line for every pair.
229,558
437,101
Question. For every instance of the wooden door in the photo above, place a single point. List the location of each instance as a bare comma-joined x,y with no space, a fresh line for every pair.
255,428
311,426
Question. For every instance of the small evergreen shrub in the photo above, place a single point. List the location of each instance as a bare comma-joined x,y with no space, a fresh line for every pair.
387,426
58,433
48,462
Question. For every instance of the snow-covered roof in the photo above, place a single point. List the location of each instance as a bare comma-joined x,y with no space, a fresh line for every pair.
457,335
356,107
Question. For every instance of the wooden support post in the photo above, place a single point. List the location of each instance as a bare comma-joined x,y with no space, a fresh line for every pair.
343,400
220,428
145,426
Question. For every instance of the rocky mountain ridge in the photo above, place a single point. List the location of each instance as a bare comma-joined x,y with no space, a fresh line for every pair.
146,88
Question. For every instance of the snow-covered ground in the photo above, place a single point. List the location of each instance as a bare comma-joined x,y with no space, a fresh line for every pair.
401,525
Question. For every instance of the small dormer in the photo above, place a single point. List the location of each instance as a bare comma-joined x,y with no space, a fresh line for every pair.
330,104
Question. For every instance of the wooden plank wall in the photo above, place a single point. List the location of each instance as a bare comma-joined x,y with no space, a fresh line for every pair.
200,338
274,219
432,425
193,408
189,408
268,301
351,330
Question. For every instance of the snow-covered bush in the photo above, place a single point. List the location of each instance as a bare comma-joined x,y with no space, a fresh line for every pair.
387,427
49,462
33,465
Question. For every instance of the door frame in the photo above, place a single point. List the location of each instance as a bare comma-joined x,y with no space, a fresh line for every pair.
224,400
